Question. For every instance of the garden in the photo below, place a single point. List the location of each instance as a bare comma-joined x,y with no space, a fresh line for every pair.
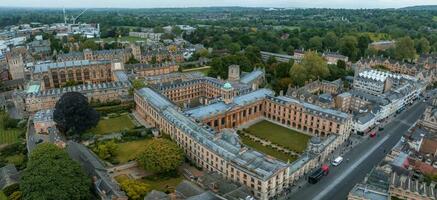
279,135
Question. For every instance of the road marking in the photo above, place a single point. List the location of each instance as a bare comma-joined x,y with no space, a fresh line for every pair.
349,170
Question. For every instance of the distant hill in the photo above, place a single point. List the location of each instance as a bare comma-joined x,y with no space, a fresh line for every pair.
424,7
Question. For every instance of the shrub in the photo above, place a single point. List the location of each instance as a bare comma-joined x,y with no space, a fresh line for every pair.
11,189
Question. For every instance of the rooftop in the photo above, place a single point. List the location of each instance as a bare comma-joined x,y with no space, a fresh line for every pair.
251,76
39,68
225,144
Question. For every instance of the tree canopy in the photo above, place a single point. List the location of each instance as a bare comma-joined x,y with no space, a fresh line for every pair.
312,67
404,49
160,156
73,114
51,174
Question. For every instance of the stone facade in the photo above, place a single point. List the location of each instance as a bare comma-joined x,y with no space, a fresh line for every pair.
54,75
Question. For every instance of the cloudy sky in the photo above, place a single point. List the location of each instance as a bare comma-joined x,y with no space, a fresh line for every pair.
202,3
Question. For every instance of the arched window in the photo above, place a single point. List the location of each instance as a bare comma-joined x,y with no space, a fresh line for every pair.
46,81
63,77
70,75
78,75
86,74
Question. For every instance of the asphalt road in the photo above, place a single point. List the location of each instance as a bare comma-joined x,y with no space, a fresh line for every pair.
341,179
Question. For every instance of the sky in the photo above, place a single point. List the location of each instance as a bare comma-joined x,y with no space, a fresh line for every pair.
354,4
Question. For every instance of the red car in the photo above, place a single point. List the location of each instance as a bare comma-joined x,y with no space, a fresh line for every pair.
372,134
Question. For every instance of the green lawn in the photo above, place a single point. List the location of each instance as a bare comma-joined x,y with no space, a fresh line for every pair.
129,150
9,136
163,184
110,125
267,150
203,70
434,18
3,196
280,135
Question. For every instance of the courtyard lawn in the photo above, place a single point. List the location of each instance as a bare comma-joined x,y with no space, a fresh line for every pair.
111,125
286,137
129,150
266,150
9,136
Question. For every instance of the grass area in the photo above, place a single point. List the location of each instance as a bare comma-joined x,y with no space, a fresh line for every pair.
203,70
286,137
110,125
8,136
3,196
129,150
434,18
163,183
267,150
121,39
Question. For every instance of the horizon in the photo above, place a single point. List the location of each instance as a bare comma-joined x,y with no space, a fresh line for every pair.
162,4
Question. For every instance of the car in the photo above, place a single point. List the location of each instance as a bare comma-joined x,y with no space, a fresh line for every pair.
381,128
337,161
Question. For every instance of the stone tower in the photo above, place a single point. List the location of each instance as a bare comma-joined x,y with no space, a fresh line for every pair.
234,73
136,51
16,66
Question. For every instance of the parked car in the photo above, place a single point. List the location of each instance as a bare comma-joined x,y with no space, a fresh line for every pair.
337,161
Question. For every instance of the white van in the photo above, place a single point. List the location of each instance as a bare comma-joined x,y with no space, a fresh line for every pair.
337,161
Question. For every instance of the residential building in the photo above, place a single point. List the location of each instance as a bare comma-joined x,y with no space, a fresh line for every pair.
332,58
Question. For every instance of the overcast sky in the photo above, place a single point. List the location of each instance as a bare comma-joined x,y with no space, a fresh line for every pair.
204,3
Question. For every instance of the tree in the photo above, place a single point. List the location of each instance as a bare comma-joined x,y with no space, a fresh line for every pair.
330,41
134,189
51,174
315,65
17,195
315,43
106,150
298,74
89,44
160,156
422,46
348,47
404,49
363,44
73,115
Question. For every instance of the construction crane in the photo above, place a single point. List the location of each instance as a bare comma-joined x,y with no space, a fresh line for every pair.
73,19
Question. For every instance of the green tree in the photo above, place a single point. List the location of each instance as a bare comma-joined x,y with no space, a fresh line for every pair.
106,150
363,44
89,44
404,49
298,74
348,47
315,43
330,41
51,174
17,195
134,189
73,114
315,65
160,156
234,48
422,46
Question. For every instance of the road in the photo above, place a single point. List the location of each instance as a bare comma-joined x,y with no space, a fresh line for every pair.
362,159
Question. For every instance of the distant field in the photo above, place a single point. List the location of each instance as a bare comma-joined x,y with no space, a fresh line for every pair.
377,36
110,125
286,137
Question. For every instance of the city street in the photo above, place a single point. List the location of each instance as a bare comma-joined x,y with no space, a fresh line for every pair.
360,160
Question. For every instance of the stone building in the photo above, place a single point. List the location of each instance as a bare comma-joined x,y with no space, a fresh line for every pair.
219,150
55,75
46,99
88,54
43,120
16,66
147,70
392,65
